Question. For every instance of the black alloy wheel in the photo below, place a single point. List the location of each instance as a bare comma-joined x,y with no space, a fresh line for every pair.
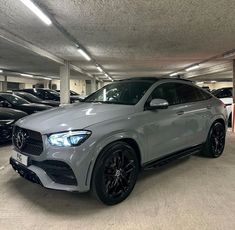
115,173
217,139
214,146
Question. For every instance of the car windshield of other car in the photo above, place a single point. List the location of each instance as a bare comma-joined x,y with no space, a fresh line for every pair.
223,93
28,97
73,93
127,93
14,100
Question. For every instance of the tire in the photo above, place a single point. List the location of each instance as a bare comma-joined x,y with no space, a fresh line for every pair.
215,143
115,173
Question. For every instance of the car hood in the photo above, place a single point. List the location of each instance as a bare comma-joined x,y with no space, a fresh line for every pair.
35,106
13,114
50,102
72,117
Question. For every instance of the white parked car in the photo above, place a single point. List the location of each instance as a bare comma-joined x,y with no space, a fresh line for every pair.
226,96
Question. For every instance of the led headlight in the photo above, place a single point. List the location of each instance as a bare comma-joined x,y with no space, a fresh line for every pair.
6,122
70,138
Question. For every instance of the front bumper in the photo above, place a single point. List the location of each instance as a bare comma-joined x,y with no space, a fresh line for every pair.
46,175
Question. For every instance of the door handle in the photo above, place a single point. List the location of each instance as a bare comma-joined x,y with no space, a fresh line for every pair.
181,112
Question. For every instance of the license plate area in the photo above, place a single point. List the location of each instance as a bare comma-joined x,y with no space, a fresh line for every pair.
21,158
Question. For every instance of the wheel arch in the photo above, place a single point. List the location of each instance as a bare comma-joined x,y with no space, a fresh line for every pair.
220,120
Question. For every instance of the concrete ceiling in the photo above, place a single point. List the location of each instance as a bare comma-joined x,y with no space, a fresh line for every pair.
128,38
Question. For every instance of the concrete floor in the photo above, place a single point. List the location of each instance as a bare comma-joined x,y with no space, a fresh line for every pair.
194,193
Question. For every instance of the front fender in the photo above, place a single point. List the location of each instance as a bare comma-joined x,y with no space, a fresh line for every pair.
108,139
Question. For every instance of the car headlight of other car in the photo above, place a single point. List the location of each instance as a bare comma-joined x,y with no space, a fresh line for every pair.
70,138
6,122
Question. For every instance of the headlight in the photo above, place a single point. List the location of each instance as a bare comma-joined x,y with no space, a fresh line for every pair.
6,122
70,138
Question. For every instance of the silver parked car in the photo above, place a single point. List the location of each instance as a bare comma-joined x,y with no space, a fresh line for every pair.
102,143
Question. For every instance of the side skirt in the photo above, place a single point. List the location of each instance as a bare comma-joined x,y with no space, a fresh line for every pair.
171,157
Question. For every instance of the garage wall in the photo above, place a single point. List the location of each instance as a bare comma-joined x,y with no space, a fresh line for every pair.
23,82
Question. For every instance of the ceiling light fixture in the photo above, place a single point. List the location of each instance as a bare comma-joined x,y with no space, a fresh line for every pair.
84,54
1,70
26,75
213,81
108,76
200,82
192,68
35,9
173,74
99,68
47,78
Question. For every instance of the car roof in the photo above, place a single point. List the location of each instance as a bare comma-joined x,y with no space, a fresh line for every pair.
152,79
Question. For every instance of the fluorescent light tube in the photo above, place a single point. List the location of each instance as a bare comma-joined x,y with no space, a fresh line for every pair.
213,81
192,68
173,74
84,54
47,78
26,75
99,68
35,9
1,70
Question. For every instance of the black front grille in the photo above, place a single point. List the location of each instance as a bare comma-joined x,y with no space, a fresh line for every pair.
58,171
5,133
32,143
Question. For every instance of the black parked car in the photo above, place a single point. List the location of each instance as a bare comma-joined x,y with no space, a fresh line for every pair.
9,100
74,97
33,99
7,118
47,94
44,94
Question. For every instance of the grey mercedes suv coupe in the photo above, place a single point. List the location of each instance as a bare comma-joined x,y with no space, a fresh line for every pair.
102,143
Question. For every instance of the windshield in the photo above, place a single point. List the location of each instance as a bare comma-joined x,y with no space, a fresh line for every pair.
28,97
127,93
223,93
53,92
73,93
14,100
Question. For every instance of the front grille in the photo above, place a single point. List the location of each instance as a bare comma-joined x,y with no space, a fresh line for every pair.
28,141
58,171
5,132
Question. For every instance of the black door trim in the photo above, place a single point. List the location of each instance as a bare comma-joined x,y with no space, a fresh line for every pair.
173,156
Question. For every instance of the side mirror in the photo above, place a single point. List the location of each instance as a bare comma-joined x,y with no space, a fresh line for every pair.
158,104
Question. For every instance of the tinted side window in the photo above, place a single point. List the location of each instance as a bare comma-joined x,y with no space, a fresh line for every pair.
206,95
166,91
188,93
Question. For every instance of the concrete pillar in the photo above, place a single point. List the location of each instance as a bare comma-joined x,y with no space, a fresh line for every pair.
46,84
101,84
65,83
233,107
4,84
93,85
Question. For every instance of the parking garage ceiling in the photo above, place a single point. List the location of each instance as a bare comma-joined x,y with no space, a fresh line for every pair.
127,38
